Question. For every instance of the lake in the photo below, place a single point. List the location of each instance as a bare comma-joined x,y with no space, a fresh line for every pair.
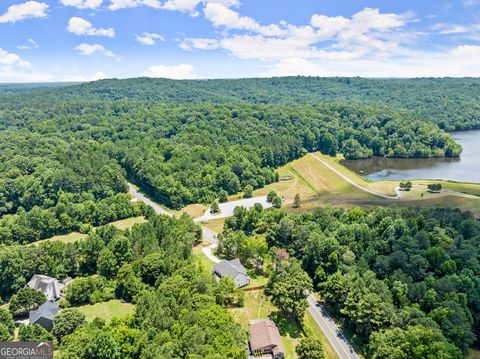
463,169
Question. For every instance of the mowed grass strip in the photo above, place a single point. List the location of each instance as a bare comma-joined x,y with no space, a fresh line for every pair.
76,236
107,310
313,330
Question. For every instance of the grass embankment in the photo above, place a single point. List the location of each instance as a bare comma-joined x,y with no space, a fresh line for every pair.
106,310
318,186
215,225
75,236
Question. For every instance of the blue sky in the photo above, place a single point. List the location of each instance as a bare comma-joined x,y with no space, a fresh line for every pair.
81,40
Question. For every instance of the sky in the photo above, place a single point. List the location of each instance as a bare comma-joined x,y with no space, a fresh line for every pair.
84,40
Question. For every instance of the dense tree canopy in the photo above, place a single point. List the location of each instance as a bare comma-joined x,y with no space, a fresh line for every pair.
406,276
185,142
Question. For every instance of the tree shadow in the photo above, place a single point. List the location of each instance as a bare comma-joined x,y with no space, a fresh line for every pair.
286,325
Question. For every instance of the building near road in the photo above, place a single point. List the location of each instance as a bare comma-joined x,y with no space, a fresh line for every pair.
49,286
233,269
44,315
265,340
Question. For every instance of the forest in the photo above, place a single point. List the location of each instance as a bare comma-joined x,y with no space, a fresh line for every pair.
181,152
390,275
179,306
404,282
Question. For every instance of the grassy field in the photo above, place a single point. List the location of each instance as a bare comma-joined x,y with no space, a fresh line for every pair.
319,186
75,236
215,225
201,258
258,306
107,310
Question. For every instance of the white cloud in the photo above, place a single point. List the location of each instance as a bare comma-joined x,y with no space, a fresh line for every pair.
449,29
295,66
27,10
90,49
82,4
79,78
148,38
366,32
467,51
8,74
79,26
124,4
8,58
32,45
199,43
221,15
179,72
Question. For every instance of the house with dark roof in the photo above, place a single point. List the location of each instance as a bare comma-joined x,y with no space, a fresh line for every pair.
44,315
265,339
49,286
233,269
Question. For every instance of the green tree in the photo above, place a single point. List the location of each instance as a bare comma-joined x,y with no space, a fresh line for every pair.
66,322
406,185
5,334
297,201
288,289
215,208
33,333
107,263
25,300
435,187
6,319
227,293
248,191
414,342
223,196
277,202
270,196
128,284
309,348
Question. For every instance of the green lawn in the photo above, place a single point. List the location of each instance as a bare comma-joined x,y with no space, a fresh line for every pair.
107,310
75,236
313,330
201,258
258,306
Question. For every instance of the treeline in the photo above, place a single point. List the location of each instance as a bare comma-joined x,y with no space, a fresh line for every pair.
405,282
452,103
183,154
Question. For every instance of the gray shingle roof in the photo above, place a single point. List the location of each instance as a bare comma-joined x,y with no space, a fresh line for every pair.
230,268
47,310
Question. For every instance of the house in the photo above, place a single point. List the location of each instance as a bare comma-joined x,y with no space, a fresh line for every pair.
265,340
44,315
49,286
232,269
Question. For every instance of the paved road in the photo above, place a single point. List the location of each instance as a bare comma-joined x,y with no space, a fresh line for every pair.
227,208
331,331
142,198
207,234
397,190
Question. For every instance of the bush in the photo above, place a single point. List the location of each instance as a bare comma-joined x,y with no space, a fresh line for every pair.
25,300
309,348
66,322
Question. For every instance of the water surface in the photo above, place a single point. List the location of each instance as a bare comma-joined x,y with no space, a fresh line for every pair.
463,169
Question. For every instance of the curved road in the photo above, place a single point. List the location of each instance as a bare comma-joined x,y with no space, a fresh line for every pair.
333,334
397,190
